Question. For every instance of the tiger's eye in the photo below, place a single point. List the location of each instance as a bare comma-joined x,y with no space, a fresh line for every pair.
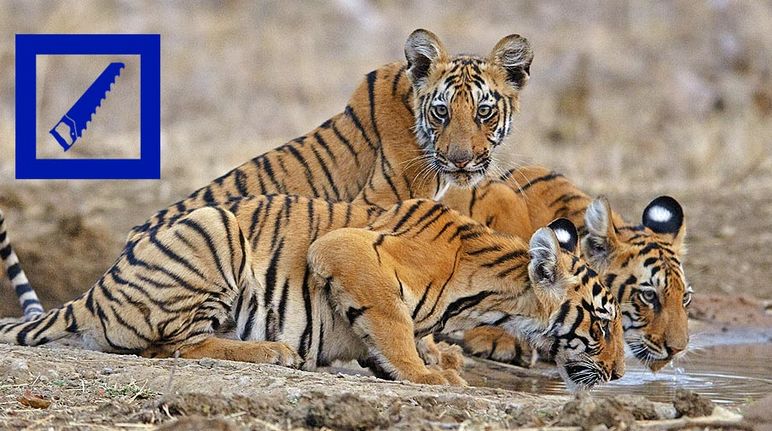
687,299
648,296
440,111
484,111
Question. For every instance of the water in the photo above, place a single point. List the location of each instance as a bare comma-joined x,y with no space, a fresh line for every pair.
734,369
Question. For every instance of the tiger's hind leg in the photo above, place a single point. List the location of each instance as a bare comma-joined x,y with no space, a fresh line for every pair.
258,352
367,294
494,343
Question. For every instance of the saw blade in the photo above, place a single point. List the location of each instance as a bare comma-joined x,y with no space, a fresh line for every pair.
78,116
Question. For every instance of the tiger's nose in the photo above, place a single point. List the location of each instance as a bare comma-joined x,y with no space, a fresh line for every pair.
615,374
460,160
672,351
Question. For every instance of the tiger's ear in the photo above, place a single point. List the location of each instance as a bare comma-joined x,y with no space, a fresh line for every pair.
566,234
514,54
544,249
664,215
601,234
423,49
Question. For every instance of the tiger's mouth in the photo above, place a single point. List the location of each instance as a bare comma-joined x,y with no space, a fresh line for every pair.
583,375
463,177
649,353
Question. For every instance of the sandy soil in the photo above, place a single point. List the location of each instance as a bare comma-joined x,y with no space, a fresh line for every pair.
75,389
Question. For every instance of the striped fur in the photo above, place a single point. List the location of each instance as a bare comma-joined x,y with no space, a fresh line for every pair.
302,282
378,151
640,263
30,304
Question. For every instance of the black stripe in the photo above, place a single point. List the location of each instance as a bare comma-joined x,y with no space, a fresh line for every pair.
327,172
352,314
346,143
270,275
549,177
458,306
358,124
283,304
326,147
305,338
421,301
304,164
371,78
405,217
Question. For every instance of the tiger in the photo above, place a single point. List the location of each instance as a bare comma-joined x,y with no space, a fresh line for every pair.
28,299
300,282
642,263
411,129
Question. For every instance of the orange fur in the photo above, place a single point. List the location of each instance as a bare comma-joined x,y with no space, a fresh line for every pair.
303,282
528,198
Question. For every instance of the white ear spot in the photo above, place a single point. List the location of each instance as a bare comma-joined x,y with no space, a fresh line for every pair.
659,214
563,235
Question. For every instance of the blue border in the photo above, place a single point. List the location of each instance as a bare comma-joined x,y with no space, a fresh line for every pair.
148,47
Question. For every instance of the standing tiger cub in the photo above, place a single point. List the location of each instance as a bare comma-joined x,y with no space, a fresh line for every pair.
641,264
304,282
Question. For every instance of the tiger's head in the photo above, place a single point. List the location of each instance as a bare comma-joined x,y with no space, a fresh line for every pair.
642,266
584,335
464,104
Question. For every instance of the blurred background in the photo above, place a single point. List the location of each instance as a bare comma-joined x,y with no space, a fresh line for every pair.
629,98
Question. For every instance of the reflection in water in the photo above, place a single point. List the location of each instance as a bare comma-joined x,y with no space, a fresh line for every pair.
728,374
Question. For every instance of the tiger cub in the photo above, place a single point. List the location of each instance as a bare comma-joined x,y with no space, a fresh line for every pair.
641,264
303,282
411,129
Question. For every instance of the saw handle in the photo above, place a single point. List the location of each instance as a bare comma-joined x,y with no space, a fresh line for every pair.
63,142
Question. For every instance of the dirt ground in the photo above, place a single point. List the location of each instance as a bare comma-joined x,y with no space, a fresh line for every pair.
62,388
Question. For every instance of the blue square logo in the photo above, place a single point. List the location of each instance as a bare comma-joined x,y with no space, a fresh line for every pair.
123,81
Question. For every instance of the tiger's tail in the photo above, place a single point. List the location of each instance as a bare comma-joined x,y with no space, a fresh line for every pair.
45,327
28,299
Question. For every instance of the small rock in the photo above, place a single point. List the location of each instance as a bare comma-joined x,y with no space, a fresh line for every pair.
688,403
589,413
33,400
19,365
107,371
206,362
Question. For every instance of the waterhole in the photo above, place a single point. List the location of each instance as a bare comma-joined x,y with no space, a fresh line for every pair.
732,368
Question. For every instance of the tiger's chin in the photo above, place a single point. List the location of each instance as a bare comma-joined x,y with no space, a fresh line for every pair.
581,376
464,179
652,359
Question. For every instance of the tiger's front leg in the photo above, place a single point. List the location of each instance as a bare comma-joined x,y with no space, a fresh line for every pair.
493,342
367,294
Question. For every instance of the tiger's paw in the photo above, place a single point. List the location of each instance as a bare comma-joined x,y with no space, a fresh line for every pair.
494,343
453,377
446,356
275,353
437,376
451,357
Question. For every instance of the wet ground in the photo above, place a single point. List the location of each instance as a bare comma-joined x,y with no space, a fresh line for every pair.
730,368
